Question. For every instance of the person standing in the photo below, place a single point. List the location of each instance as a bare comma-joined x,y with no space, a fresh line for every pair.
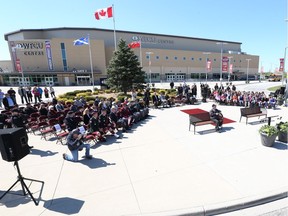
52,92
147,97
217,117
75,144
23,94
40,92
36,93
46,92
29,94
171,84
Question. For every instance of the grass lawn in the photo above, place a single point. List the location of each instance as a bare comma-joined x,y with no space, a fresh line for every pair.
274,88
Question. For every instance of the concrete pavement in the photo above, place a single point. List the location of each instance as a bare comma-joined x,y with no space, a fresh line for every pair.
157,168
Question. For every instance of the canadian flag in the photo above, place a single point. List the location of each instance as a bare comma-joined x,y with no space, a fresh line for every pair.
104,13
135,44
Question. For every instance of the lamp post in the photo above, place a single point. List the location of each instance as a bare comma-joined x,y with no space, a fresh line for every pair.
248,60
149,57
284,66
221,43
229,65
206,53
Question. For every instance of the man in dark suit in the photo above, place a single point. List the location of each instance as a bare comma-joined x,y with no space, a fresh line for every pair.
217,117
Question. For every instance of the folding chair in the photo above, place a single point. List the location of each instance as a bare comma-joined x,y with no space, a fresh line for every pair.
59,133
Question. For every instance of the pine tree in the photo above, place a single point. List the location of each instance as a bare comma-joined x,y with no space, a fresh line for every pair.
124,70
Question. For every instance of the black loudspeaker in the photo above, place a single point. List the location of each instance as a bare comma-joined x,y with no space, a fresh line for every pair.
13,144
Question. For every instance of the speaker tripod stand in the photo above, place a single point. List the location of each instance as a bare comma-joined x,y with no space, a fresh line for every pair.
25,189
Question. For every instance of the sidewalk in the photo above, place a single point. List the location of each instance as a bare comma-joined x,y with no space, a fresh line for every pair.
157,168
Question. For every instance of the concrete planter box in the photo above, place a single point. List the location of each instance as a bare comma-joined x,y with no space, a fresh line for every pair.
268,141
282,136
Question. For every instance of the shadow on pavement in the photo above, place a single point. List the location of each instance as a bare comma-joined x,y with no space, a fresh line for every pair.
280,145
60,205
42,153
95,163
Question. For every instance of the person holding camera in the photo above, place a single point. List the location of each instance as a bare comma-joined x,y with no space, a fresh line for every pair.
217,117
75,144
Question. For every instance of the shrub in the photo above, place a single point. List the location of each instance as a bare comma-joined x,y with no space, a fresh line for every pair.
268,130
282,126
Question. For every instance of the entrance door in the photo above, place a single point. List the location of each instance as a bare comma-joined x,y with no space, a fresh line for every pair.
14,81
18,81
66,80
180,77
83,80
170,77
49,81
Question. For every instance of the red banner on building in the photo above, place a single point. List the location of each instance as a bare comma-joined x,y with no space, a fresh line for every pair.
208,66
18,65
281,68
231,68
225,61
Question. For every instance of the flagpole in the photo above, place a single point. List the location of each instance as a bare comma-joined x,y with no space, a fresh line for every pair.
91,64
114,28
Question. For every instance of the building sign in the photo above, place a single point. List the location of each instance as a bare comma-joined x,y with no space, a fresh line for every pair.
225,61
281,68
208,66
231,68
31,48
152,39
49,55
18,65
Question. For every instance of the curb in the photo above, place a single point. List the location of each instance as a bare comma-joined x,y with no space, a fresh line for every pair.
222,208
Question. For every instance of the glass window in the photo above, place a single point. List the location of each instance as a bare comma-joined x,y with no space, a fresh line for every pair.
64,59
167,58
192,59
175,57
194,75
184,58
63,54
214,60
157,57
200,59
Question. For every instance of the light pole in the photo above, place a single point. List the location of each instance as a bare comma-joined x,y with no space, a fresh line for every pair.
229,65
283,72
206,53
221,43
149,57
248,60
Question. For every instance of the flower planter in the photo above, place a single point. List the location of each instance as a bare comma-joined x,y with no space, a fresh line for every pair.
282,136
268,140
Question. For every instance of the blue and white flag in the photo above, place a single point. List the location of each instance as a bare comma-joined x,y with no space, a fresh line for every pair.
81,41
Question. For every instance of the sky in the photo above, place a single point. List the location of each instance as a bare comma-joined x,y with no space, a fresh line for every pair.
259,25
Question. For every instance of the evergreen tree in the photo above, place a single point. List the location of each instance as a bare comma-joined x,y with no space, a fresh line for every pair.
124,70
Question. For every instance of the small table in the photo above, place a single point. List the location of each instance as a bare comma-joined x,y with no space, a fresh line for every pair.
269,118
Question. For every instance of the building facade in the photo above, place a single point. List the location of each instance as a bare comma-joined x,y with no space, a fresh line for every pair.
48,57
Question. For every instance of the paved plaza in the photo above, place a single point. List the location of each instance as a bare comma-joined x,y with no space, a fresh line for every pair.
157,168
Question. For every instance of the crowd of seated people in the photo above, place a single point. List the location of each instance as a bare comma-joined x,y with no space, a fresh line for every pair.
103,117
186,94
230,96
